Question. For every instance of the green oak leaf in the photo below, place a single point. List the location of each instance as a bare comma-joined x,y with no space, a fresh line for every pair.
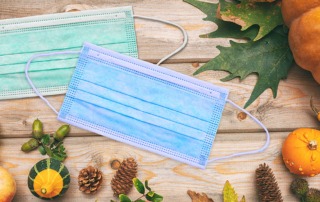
225,29
45,139
246,14
138,185
270,58
59,152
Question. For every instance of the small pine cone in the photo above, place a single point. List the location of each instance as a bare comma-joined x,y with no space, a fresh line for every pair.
267,185
90,180
122,180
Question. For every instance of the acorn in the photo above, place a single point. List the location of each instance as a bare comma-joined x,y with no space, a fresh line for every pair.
30,145
61,132
37,129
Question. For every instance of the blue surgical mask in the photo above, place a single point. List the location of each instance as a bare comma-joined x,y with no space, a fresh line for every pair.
145,105
21,38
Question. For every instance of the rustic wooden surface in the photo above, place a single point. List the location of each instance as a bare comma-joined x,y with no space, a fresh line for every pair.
290,110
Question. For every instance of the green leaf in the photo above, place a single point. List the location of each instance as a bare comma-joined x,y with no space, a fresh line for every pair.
150,193
124,198
42,150
157,200
270,58
246,14
138,185
45,139
154,198
146,184
229,195
59,152
140,200
225,29
48,151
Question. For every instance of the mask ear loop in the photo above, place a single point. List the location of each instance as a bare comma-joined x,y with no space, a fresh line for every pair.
27,67
184,33
264,147
31,83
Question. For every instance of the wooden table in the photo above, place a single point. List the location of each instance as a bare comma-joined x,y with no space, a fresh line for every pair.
290,110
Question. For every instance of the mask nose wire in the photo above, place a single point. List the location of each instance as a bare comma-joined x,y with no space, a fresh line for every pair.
184,33
264,147
26,70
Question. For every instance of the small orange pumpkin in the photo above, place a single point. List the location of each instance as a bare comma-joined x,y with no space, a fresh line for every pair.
301,152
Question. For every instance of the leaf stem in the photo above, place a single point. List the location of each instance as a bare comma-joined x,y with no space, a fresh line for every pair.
139,198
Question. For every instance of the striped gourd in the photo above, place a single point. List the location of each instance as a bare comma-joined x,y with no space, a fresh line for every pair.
48,179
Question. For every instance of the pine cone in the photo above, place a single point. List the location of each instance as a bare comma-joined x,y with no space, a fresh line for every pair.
90,180
122,181
267,185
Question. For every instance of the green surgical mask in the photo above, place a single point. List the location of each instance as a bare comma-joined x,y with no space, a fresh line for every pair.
23,37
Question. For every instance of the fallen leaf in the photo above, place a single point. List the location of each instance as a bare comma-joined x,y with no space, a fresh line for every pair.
196,197
270,58
225,29
246,14
229,194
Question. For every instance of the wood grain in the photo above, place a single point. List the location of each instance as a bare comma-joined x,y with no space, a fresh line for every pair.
155,40
166,176
290,110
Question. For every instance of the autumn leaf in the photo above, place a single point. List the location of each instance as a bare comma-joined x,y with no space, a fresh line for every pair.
196,197
243,199
225,29
270,58
229,194
247,14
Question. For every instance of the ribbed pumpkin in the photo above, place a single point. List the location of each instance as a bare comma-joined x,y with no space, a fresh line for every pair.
301,152
48,179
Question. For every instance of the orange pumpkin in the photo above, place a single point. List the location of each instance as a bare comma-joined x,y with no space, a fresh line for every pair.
301,152
303,19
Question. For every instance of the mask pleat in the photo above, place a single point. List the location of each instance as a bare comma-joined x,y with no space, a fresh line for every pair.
163,111
22,38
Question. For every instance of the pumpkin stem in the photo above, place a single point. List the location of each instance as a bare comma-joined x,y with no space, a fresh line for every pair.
313,145
46,189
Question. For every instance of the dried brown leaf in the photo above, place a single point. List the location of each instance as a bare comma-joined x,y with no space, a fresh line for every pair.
196,197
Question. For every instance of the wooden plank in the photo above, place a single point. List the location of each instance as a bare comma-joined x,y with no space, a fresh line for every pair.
290,110
155,40
168,177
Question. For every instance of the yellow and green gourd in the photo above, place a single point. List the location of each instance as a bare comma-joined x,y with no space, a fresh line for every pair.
48,179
